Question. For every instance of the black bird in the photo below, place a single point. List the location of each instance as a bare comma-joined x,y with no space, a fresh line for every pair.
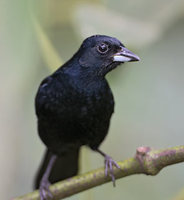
74,106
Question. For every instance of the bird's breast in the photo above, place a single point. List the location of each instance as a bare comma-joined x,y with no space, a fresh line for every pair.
97,102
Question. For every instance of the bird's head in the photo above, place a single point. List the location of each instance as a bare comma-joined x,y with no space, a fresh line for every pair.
102,53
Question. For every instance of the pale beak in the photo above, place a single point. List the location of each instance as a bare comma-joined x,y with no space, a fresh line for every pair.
125,55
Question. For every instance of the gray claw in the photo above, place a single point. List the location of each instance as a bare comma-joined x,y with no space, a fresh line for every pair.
45,193
109,162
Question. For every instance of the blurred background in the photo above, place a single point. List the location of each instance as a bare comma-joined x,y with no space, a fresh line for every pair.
36,37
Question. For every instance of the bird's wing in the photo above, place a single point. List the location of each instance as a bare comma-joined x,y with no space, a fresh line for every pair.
44,96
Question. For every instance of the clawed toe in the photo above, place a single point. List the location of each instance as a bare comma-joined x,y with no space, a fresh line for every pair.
45,193
109,163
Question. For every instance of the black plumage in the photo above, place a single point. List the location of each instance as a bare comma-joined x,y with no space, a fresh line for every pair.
74,106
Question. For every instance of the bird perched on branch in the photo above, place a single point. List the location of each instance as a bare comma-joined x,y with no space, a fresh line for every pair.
74,107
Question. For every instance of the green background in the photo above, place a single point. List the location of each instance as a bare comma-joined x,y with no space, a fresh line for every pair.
36,37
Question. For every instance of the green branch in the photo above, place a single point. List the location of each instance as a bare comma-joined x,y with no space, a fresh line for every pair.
146,161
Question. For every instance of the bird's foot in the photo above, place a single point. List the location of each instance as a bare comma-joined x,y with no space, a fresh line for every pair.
109,163
44,190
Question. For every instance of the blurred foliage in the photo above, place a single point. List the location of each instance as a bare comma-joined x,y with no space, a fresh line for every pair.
37,37
180,196
50,55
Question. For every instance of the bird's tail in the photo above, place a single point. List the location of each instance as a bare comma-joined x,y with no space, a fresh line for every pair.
64,167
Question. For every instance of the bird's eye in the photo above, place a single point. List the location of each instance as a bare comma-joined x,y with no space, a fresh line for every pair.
103,48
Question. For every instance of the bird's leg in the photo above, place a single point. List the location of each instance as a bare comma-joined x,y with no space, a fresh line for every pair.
109,163
44,183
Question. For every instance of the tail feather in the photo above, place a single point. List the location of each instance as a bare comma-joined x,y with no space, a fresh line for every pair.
64,167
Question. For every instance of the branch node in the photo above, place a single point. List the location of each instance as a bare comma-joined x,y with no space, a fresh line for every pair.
147,160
